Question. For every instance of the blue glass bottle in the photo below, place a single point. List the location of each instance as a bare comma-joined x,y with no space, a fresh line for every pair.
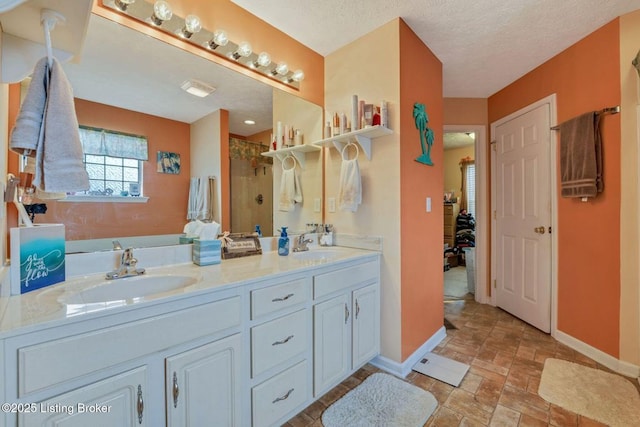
258,230
283,243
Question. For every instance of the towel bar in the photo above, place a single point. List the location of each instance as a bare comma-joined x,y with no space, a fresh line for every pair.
608,110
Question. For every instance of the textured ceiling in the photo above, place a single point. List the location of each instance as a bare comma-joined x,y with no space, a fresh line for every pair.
484,45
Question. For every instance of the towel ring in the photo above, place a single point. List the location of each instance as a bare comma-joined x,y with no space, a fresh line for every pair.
346,147
293,163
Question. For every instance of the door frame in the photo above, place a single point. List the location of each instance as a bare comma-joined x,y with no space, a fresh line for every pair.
553,159
482,196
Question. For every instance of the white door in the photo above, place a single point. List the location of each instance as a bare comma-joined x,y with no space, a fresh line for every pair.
332,343
366,325
523,217
116,401
203,385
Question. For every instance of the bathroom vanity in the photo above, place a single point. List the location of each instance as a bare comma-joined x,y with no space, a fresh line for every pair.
249,342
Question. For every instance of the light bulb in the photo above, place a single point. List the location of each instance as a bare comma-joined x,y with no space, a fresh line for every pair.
161,12
244,50
192,25
219,39
264,59
282,69
297,76
123,4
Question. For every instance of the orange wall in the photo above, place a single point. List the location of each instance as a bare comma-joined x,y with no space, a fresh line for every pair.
585,77
240,25
421,232
166,210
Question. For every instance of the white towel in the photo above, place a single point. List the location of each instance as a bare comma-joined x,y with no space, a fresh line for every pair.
200,192
350,191
290,191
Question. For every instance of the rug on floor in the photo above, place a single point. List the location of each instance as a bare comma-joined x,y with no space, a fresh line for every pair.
601,396
381,400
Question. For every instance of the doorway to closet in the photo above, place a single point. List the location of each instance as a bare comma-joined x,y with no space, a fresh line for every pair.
465,201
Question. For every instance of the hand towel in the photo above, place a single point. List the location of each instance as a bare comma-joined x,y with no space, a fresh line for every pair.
200,199
581,156
26,132
290,190
59,156
350,191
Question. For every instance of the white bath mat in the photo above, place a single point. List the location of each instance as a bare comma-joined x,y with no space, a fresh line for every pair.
381,400
596,394
442,368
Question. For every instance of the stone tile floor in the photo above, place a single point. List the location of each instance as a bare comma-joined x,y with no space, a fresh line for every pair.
506,357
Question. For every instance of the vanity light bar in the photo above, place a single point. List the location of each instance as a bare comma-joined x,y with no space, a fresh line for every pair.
176,26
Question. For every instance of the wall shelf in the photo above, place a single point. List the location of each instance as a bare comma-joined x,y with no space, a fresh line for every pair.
297,151
363,136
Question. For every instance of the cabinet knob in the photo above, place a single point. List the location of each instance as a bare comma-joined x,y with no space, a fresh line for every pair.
357,309
346,313
284,298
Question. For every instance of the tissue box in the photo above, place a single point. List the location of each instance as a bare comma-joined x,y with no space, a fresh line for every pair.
206,252
37,257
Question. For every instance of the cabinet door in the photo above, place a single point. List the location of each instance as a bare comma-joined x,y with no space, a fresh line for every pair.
116,401
366,325
332,342
203,385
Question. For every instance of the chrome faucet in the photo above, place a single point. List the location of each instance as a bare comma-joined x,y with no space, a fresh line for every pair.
127,266
301,243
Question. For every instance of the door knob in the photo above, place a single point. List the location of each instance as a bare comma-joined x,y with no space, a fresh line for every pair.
539,230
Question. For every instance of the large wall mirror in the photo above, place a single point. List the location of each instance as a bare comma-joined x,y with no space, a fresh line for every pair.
128,82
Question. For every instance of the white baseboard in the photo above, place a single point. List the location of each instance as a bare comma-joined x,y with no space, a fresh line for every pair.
403,369
625,368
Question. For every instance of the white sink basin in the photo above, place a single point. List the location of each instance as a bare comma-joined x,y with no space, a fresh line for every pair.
317,255
128,288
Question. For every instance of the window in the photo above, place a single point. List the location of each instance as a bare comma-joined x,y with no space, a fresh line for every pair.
113,160
471,188
111,175
468,193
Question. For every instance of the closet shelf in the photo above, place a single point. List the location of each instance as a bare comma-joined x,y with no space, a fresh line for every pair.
297,151
363,136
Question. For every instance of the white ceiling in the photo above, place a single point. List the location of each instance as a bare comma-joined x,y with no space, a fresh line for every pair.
484,45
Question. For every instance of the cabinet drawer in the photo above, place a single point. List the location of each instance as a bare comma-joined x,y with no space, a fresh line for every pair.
278,396
53,362
274,298
325,284
278,340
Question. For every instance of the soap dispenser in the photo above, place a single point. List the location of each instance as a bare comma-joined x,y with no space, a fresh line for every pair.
283,242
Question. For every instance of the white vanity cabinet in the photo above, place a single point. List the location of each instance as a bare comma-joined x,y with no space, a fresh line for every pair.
115,401
202,385
251,353
125,366
281,358
346,322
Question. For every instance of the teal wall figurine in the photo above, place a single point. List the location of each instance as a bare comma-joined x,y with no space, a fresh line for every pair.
426,134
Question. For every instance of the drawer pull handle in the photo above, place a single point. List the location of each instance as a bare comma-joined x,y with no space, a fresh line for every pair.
140,404
346,313
357,309
284,298
286,396
284,341
176,390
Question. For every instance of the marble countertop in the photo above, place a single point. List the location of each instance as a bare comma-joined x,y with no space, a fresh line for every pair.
43,308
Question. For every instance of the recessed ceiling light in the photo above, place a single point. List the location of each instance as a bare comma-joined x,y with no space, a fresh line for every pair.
249,122
197,88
